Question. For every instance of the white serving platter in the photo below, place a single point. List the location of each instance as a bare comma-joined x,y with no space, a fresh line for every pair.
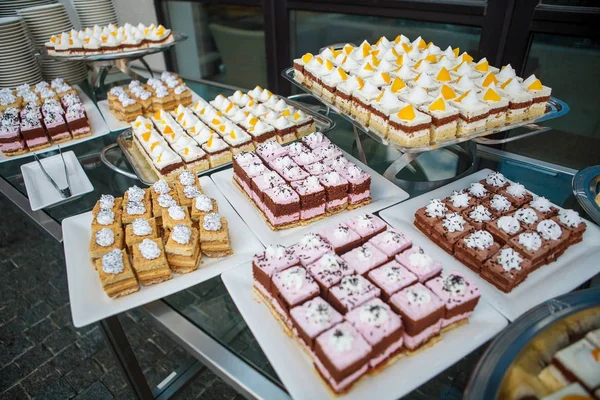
302,381
40,191
383,192
90,304
578,264
117,125
99,128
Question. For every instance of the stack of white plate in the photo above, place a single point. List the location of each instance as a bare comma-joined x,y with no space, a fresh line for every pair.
97,12
19,64
8,8
43,22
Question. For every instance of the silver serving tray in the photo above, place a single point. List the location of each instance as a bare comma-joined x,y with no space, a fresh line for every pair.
586,186
138,53
147,176
555,108
486,380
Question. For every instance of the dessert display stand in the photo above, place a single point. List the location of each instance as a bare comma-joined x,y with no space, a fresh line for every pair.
465,144
101,64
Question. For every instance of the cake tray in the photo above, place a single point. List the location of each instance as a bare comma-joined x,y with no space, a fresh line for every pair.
132,54
147,176
586,188
555,108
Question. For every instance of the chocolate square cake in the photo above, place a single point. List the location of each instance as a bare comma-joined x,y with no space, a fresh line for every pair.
504,228
475,248
449,230
426,217
282,207
532,247
506,269
479,216
571,221
313,318
336,190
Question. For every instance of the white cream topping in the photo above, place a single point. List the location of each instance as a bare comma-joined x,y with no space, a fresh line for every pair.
141,227
516,190
477,190
176,212
460,199
541,204
480,214
530,240
135,193
149,249
112,262
212,222
509,260
275,252
509,224
161,186
526,215
500,203
418,296
105,217
420,260
373,314
165,200
181,234
341,341
495,179
570,218
454,222
292,278
105,237
549,230
479,240
203,203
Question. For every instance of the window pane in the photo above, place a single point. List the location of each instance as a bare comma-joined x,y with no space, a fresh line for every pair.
226,43
569,66
578,3
312,30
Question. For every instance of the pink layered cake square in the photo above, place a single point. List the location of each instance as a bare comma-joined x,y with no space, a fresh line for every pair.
293,286
313,318
341,237
270,150
391,242
241,160
294,173
381,327
337,163
310,248
314,140
78,122
263,182
336,190
422,265
364,258
56,127
33,132
296,148
367,225
280,163
328,152
328,271
359,189
391,278
342,356
351,292
316,169
421,311
459,295
312,198
282,206
11,141
306,158
272,260
247,173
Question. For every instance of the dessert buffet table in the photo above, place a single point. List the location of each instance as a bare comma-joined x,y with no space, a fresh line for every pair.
204,318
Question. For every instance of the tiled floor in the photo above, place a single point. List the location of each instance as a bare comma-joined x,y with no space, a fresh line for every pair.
43,356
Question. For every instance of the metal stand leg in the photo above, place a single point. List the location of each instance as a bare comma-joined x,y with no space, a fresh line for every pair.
361,152
401,162
115,338
147,66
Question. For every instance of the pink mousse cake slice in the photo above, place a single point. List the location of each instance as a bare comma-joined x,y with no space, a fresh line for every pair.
422,312
263,182
270,150
312,197
359,190
310,248
313,318
316,169
249,172
294,173
459,295
306,158
296,148
381,327
328,152
328,271
314,140
282,206
391,242
280,163
391,278
351,292
294,286
422,265
364,258
341,237
342,356
337,163
272,260
367,225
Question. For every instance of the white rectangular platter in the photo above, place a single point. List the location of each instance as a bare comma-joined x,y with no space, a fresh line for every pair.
88,301
115,124
302,381
578,264
97,123
383,192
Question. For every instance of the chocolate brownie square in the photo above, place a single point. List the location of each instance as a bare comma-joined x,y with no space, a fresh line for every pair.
475,248
459,201
504,228
571,221
478,216
426,217
449,230
500,205
495,182
544,207
557,237
517,194
532,247
506,269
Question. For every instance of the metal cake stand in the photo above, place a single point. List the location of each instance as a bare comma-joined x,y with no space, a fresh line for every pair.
102,63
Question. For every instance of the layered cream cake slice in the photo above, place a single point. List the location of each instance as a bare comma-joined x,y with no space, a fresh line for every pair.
444,119
344,91
310,72
381,108
218,151
239,141
442,77
540,93
473,113
520,100
409,127
299,64
425,81
483,67
417,96
486,80
463,84
498,106
360,102
325,69
330,82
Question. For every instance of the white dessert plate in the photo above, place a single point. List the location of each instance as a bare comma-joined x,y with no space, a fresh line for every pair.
40,191
578,264
89,302
383,192
99,128
115,124
302,381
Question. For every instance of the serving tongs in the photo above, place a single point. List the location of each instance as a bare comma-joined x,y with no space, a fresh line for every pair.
66,192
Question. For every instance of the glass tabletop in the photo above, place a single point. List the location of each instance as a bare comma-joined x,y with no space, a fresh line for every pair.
208,305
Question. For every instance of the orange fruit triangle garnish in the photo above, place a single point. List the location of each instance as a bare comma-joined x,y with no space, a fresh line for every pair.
232,135
505,84
462,96
369,67
286,112
489,79
466,57
535,85
447,92
456,51
168,130
482,67
438,105
306,58
153,145
444,75
407,113
157,115
210,141
146,136
397,85
491,95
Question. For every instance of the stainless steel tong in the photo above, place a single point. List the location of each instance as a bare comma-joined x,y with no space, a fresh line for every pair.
66,192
